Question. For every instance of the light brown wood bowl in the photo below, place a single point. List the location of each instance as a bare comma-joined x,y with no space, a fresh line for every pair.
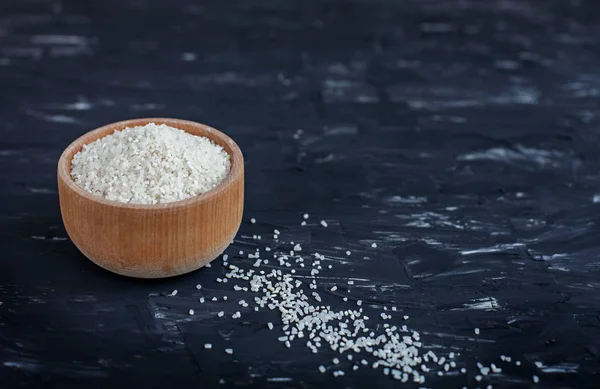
153,241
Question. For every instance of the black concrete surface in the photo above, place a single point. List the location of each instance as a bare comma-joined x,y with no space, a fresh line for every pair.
460,136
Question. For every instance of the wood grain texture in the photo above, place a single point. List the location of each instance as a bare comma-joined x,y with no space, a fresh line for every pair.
153,241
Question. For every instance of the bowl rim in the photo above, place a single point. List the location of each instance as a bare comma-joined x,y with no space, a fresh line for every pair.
235,170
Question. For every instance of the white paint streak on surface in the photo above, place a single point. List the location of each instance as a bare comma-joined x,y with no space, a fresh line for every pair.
518,154
21,365
78,106
341,130
327,158
459,272
561,368
279,379
60,40
52,118
407,199
493,249
146,106
484,304
559,268
457,337
42,190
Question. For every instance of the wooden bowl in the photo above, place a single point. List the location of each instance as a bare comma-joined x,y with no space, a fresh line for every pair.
158,240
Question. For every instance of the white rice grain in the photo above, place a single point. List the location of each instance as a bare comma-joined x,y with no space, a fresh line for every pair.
150,164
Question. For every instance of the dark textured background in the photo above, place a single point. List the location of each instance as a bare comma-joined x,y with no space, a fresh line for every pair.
461,136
